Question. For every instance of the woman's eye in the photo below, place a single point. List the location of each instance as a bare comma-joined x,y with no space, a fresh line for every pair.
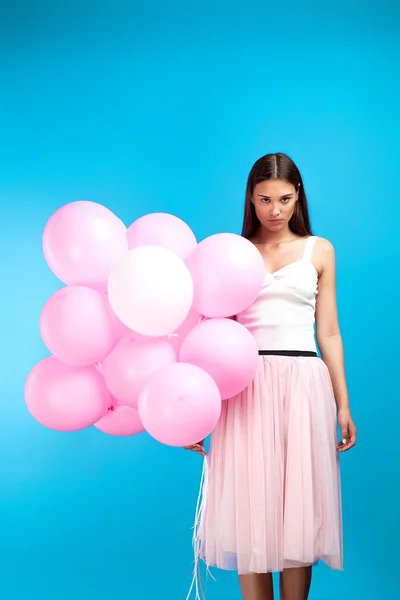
285,200
264,199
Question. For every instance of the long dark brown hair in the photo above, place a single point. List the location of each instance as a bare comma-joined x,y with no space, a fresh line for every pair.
276,166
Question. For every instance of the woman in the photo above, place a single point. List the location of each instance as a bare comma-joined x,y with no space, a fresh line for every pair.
273,493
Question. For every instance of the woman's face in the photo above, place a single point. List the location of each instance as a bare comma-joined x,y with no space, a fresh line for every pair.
274,202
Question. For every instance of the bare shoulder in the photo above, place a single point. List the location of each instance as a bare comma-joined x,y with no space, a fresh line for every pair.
324,254
324,246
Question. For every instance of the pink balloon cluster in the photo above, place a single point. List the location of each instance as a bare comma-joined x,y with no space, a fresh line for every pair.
140,335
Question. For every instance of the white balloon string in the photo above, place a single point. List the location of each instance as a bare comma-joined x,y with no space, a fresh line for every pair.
197,581
171,336
115,410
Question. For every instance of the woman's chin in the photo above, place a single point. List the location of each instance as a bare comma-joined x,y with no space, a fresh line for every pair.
275,225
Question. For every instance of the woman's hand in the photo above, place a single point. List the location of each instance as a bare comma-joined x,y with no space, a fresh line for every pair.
349,432
198,448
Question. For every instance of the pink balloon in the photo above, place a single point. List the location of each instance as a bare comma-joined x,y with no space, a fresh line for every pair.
131,362
179,335
228,273
162,229
225,350
77,327
119,328
120,421
179,405
82,241
65,398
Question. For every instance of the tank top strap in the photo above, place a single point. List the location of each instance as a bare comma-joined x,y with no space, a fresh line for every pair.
309,248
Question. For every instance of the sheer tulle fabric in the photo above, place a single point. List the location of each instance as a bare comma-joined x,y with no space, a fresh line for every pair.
272,500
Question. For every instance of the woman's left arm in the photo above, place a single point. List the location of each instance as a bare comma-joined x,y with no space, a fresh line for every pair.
330,340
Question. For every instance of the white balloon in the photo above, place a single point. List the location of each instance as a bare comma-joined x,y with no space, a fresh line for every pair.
151,290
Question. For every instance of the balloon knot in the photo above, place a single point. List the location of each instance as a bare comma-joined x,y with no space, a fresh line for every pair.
171,336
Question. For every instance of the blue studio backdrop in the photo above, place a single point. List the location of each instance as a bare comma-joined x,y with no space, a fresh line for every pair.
155,106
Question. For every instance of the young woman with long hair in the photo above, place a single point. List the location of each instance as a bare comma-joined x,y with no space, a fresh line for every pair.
273,499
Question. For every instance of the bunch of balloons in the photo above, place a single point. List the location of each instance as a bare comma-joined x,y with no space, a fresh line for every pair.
140,335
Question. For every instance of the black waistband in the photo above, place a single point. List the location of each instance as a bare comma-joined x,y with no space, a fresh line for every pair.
287,353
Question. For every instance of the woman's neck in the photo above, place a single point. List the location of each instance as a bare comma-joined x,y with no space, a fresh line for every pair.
264,236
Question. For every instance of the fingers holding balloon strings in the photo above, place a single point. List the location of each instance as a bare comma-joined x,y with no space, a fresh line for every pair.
199,449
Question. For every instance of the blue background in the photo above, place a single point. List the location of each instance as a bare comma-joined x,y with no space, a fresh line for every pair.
164,106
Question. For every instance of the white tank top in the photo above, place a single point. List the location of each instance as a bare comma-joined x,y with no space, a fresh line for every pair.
283,315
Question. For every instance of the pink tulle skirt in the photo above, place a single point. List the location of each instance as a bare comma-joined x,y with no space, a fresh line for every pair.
272,494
